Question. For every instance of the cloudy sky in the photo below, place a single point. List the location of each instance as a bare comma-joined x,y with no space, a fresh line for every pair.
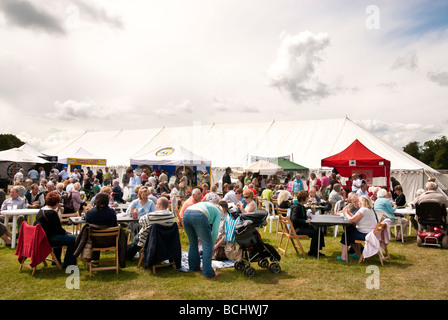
72,65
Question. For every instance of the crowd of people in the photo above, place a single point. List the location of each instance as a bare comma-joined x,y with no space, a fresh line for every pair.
208,212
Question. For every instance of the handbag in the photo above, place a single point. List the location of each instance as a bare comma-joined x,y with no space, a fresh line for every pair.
219,254
233,251
86,254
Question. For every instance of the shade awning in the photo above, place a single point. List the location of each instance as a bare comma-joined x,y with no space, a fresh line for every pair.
264,168
288,165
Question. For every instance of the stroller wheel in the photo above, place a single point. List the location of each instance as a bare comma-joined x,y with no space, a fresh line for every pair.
239,265
275,268
264,263
249,271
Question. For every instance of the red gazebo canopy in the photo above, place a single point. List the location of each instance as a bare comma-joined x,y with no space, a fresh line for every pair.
357,157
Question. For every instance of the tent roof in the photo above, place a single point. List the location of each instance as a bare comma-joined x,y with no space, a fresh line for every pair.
20,156
357,152
27,148
175,155
288,165
264,167
79,153
231,144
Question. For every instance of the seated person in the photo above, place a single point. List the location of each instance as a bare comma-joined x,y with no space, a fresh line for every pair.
302,226
102,215
400,200
34,198
430,195
142,204
250,205
5,235
384,204
336,194
10,203
49,220
161,216
267,193
230,195
365,221
283,199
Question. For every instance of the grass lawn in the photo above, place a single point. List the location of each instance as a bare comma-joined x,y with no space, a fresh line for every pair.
414,273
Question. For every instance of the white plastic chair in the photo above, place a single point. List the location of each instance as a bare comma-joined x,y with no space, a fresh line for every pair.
270,208
337,207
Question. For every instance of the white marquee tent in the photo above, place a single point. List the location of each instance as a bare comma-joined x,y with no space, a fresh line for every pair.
175,155
232,144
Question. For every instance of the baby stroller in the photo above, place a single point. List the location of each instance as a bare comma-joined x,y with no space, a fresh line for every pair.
253,248
432,219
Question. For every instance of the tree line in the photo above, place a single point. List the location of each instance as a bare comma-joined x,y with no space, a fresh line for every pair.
9,141
434,153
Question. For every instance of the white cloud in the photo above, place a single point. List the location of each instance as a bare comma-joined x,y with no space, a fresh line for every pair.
224,105
172,109
441,78
408,61
71,110
57,138
400,134
294,71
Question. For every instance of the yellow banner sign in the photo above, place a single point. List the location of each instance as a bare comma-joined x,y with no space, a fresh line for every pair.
86,162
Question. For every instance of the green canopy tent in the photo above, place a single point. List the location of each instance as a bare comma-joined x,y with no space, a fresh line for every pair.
288,165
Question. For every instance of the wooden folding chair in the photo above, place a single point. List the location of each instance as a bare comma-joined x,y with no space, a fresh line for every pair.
380,228
53,259
163,264
179,223
44,245
289,233
98,233
280,212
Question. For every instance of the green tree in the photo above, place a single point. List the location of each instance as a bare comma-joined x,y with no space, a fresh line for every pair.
413,148
8,141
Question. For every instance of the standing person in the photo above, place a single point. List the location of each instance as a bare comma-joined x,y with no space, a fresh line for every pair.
33,175
99,176
107,177
183,182
325,183
395,183
196,196
144,176
134,180
313,182
64,175
19,176
226,177
297,185
90,174
202,221
48,218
